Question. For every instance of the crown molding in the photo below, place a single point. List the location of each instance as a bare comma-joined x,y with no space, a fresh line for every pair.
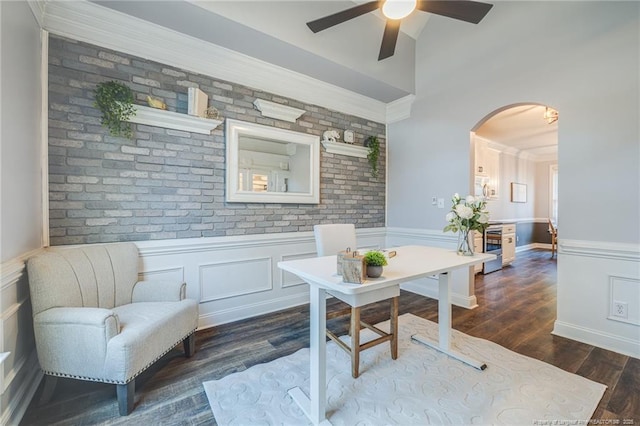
38,8
400,109
515,152
101,26
278,111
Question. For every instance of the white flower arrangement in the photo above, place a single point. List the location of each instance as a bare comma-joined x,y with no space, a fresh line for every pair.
468,214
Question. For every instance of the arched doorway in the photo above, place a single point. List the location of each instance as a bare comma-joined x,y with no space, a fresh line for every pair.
514,164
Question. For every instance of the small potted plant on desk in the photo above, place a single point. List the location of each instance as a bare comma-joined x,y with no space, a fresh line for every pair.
375,260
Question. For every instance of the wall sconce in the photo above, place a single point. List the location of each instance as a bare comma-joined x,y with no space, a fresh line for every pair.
550,115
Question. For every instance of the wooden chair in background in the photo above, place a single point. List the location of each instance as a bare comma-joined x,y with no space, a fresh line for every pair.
554,237
330,239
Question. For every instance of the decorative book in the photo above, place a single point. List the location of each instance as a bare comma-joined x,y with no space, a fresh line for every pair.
198,102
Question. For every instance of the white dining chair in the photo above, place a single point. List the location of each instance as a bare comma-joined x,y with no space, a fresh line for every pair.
331,239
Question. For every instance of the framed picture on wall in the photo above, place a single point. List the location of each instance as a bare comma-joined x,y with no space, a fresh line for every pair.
518,192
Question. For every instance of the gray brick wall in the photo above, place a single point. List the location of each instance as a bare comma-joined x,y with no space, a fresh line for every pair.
171,184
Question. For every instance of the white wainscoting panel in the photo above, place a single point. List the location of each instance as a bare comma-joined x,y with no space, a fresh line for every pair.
589,273
19,370
237,277
625,291
287,278
164,274
222,280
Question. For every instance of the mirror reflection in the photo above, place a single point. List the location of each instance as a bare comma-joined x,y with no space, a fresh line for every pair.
266,165
271,165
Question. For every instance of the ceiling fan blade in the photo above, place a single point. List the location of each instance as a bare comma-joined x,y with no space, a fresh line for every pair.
389,38
343,16
469,11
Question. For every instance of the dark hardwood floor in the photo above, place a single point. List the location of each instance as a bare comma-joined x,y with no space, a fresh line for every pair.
517,310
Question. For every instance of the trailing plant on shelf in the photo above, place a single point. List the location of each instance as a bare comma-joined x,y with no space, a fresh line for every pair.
115,101
373,155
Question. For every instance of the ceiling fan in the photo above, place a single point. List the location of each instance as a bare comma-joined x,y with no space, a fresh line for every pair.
395,10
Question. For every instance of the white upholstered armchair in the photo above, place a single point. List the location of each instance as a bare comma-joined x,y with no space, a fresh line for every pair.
93,319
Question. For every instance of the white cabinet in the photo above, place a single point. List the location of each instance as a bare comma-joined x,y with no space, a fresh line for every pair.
486,169
508,244
492,159
477,248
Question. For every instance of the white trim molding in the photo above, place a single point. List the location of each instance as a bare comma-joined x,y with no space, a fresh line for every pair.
399,109
604,249
44,133
91,23
423,235
597,338
173,120
278,111
20,376
38,10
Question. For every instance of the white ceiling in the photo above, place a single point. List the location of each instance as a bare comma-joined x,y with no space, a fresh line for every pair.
523,129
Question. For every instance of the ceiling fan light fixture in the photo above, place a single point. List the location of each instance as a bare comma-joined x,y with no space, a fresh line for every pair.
398,9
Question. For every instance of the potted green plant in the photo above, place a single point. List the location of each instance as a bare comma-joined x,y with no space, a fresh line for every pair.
115,101
373,155
374,260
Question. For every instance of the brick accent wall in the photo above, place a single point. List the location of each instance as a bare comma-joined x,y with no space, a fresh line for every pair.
165,184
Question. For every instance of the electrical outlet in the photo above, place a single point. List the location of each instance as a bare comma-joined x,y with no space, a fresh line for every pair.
620,309
441,203
517,238
434,201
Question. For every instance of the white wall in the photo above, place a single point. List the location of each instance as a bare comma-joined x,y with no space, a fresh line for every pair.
579,57
20,201
21,212
543,189
518,170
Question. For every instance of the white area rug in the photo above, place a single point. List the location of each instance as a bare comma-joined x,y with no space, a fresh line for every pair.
423,386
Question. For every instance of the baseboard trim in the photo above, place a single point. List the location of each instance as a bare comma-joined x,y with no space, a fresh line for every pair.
597,338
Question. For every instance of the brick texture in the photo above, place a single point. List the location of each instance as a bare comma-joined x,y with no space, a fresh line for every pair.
165,184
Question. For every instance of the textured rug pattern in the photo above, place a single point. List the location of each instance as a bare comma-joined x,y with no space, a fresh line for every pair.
423,386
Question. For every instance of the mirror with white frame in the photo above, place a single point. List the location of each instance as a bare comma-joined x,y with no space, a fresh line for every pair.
271,165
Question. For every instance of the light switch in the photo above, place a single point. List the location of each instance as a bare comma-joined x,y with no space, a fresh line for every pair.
434,201
441,203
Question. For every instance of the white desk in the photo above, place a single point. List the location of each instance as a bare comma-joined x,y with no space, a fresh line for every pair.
411,262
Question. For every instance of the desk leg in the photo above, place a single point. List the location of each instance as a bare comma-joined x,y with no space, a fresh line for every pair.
444,326
315,406
444,312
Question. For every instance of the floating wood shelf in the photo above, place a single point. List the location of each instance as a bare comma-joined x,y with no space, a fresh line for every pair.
173,120
345,149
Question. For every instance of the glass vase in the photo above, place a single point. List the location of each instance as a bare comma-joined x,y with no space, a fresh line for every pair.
464,247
